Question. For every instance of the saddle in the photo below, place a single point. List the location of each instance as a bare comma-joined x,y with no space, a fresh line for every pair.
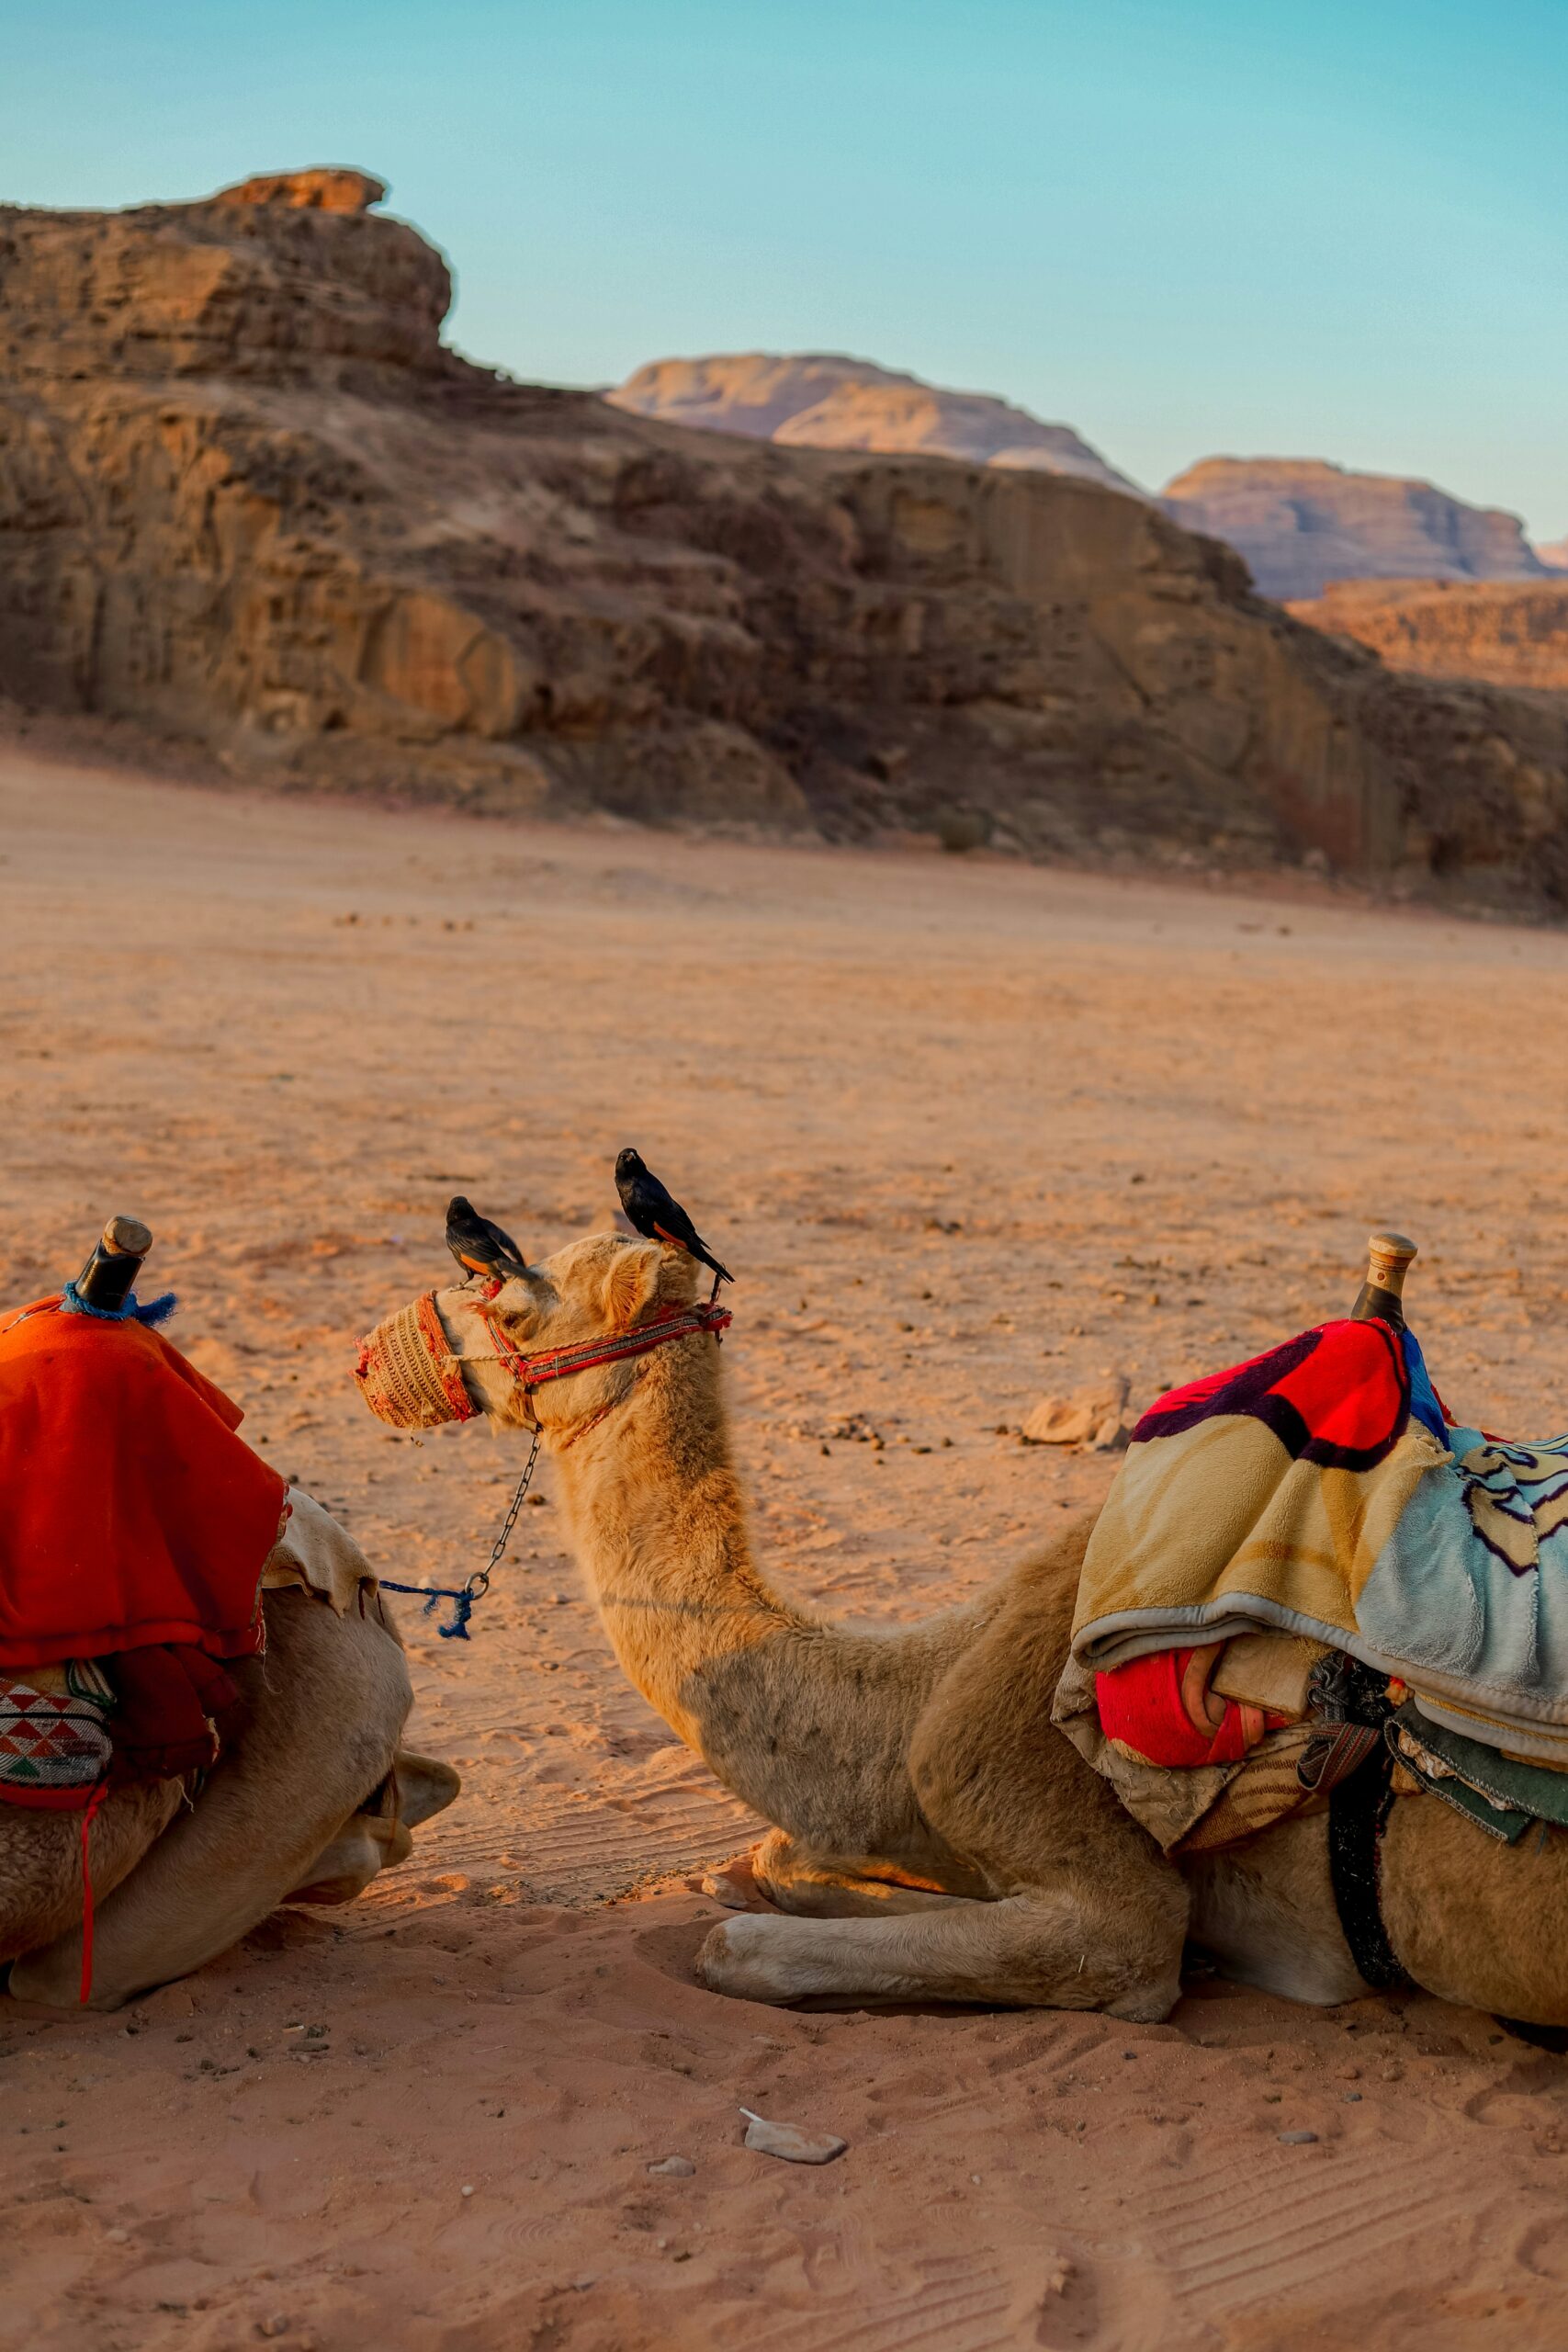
136,1530
1311,1587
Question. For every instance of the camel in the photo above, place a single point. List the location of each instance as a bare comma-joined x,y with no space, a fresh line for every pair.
934,1837
315,1796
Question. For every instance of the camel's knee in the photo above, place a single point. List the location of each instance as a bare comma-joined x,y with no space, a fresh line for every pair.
378,1837
358,1854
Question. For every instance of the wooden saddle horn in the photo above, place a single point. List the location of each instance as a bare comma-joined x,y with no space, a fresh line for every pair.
1383,1292
109,1275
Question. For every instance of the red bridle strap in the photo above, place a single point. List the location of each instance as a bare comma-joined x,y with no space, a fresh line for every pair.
560,1364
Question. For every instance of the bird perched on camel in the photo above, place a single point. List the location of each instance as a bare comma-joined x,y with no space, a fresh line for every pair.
479,1244
657,1215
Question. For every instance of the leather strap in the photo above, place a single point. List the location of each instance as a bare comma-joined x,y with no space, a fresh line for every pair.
1358,1809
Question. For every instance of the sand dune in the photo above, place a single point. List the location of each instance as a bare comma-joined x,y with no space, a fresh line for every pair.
968,1132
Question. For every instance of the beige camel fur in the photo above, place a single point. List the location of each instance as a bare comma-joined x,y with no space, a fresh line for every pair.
935,1838
312,1798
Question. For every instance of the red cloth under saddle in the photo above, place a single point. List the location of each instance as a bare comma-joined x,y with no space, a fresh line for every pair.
1160,1708
130,1514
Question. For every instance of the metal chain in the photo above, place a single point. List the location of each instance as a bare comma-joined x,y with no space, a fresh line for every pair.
463,1597
479,1583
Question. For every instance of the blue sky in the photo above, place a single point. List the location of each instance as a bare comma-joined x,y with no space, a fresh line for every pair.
1184,226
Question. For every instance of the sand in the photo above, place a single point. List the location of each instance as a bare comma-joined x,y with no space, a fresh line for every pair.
969,1134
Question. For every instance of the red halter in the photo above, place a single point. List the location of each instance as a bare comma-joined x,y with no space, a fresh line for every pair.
560,1364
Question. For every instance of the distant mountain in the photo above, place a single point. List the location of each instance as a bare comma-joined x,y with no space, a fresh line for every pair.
250,500
824,401
1509,633
1554,555
1301,522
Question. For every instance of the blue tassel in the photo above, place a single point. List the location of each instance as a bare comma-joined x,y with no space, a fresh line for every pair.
461,1599
157,1310
458,1631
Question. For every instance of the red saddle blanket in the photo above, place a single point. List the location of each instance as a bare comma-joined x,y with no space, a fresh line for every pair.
130,1513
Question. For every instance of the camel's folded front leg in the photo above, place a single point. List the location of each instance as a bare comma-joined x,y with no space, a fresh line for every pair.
327,1705
1028,1950
810,1882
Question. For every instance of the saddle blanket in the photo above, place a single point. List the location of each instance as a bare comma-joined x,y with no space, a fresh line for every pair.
130,1513
1307,1494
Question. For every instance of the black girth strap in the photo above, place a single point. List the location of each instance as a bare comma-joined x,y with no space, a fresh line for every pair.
1351,1703
1357,1812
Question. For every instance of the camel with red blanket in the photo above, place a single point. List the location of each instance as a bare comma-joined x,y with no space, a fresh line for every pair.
201,1693
937,1836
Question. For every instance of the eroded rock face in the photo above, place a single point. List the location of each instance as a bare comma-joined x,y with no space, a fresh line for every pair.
823,401
286,277
1301,522
1511,633
248,496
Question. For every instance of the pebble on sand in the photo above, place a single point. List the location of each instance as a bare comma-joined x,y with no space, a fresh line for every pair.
789,2141
1090,1417
1296,2138
674,2168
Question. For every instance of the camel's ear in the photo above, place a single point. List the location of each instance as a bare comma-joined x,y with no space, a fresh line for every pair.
631,1283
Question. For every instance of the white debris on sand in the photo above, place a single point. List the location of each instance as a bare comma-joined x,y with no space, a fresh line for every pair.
789,2141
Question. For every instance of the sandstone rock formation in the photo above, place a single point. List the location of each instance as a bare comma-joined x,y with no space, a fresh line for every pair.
247,497
1553,554
1512,633
1301,522
823,401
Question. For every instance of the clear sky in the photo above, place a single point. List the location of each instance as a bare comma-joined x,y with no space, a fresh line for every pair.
1319,227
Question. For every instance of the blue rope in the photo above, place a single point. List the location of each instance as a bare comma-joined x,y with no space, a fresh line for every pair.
463,1597
157,1310
458,1631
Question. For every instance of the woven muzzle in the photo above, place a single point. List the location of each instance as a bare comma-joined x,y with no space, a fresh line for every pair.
407,1373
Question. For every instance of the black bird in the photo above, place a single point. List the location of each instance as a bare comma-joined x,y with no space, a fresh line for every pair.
480,1247
657,1215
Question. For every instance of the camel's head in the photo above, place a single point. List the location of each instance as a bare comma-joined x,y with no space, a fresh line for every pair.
458,1352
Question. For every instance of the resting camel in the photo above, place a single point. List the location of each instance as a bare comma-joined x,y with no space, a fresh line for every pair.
935,1839
313,1797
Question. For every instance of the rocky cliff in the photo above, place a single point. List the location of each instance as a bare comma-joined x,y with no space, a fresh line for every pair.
1511,633
247,496
823,401
1301,522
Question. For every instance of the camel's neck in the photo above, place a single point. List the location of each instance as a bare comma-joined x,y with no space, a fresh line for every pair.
808,1724
659,1525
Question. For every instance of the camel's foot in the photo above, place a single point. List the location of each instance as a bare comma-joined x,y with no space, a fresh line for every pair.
811,1883
1022,1951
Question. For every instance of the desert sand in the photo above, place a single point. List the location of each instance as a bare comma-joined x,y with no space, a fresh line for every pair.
970,1133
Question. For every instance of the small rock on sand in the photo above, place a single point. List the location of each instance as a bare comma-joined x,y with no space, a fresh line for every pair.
1089,1416
789,2141
674,2168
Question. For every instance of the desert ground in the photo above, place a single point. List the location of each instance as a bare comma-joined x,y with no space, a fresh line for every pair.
969,1133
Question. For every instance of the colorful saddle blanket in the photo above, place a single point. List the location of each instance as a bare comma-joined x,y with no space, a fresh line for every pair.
1318,1493
130,1513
